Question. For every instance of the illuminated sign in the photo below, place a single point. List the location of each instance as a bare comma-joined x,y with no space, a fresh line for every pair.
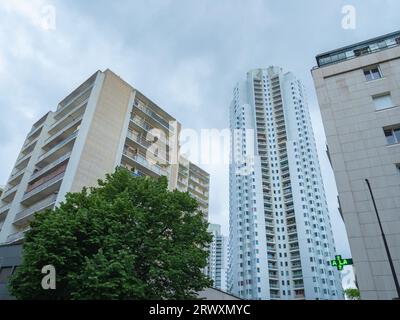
339,262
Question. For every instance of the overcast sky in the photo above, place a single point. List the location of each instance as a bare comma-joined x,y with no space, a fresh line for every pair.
186,55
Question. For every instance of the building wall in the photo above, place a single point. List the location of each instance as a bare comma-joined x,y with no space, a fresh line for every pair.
216,267
104,123
358,151
10,258
281,241
106,128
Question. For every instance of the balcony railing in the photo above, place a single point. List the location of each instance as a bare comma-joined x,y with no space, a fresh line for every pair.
5,209
153,115
21,160
40,206
43,186
9,191
50,165
58,146
17,236
142,161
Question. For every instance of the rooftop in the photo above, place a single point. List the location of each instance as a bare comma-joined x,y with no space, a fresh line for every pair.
361,48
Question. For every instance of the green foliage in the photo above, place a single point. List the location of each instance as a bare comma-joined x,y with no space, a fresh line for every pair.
129,238
352,294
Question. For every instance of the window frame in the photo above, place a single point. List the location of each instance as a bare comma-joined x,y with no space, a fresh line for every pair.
382,95
368,71
392,130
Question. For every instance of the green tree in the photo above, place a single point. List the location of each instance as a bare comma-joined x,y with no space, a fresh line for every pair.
128,238
352,294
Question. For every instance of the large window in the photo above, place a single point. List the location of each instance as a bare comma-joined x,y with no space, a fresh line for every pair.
383,101
372,73
392,134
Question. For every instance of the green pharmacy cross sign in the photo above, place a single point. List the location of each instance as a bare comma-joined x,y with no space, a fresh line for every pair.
339,262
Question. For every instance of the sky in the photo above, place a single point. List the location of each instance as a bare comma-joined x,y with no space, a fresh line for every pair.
185,55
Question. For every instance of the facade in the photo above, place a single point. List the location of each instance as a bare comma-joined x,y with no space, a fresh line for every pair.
358,90
196,181
216,268
280,241
103,124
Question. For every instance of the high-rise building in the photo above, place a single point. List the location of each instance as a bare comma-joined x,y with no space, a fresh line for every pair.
216,267
358,90
281,241
103,124
196,181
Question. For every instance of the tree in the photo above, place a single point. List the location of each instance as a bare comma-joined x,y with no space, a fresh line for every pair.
352,294
128,238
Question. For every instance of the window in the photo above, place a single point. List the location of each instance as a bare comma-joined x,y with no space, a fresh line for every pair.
372,73
361,51
383,101
392,135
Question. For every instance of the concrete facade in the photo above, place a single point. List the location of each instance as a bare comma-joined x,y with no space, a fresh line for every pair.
280,242
216,268
103,124
361,134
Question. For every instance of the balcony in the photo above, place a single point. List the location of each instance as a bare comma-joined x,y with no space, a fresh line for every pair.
57,150
35,130
141,124
145,144
16,177
25,216
17,237
49,185
63,122
295,256
50,166
61,135
153,116
22,162
9,194
28,148
76,98
146,166
292,229
4,210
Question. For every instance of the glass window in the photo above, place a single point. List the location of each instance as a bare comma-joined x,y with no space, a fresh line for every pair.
392,135
383,101
372,73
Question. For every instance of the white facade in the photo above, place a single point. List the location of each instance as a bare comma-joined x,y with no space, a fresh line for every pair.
281,241
216,268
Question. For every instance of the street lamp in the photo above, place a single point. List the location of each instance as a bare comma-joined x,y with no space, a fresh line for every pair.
396,281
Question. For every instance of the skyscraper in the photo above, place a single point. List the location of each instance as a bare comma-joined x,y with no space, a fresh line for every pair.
103,124
216,267
281,241
358,89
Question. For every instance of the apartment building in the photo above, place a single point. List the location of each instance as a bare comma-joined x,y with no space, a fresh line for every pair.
195,181
358,89
103,124
280,242
216,267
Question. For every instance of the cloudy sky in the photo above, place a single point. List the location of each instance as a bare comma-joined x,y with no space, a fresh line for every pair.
186,55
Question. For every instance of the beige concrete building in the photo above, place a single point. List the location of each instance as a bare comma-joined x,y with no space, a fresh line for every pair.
358,89
103,124
195,181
